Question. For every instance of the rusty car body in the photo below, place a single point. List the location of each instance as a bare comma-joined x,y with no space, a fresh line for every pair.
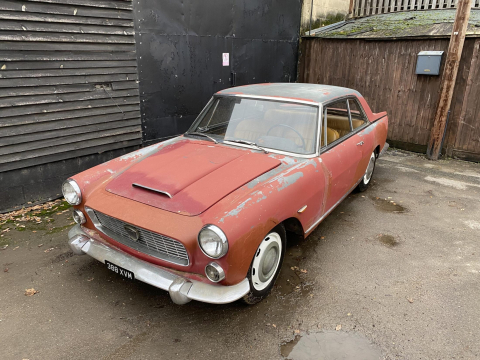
204,215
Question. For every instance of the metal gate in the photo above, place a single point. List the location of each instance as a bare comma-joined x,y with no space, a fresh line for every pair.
188,50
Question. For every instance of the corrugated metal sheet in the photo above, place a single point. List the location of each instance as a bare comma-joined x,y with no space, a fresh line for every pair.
68,80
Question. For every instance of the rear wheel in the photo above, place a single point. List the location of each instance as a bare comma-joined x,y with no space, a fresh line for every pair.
367,177
266,265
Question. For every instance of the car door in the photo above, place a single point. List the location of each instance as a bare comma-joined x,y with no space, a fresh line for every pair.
340,152
363,134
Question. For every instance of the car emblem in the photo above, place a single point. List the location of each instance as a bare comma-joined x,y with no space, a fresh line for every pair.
132,232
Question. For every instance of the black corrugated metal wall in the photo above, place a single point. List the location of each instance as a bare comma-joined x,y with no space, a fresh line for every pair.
68,92
180,46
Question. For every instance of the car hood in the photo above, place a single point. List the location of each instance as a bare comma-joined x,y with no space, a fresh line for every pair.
188,177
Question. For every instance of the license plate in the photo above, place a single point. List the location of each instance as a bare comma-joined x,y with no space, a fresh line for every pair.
119,270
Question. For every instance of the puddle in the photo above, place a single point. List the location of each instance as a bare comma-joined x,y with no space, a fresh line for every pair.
293,280
330,345
388,205
388,240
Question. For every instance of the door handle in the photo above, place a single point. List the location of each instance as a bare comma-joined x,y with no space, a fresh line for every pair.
360,143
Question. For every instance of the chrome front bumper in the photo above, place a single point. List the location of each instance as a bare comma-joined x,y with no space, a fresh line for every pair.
181,289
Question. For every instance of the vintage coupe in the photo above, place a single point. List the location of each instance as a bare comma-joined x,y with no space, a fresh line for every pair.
205,215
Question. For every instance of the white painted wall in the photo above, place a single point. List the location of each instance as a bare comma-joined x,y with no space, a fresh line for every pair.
321,8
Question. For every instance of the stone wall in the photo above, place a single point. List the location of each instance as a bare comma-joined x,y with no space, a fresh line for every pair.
323,9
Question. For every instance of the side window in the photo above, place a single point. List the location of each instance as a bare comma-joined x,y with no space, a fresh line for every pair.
358,118
337,123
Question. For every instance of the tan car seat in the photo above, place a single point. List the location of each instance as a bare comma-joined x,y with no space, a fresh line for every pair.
250,130
332,135
341,124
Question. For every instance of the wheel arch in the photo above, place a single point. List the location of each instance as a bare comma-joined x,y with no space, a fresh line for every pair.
294,225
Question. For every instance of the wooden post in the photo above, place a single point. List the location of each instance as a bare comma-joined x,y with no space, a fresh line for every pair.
452,62
350,9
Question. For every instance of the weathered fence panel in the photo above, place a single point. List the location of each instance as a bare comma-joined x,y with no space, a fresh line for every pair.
384,72
372,7
464,135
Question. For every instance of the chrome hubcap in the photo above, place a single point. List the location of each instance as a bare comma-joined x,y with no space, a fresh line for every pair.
266,261
371,165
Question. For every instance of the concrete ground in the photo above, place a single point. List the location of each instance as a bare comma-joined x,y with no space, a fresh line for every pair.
392,273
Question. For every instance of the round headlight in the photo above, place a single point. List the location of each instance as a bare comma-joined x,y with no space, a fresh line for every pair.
213,241
71,192
78,217
214,272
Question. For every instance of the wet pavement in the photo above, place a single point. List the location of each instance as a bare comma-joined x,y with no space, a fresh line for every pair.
331,345
392,273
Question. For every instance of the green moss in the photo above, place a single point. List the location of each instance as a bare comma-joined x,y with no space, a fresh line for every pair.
59,229
408,23
320,22
57,208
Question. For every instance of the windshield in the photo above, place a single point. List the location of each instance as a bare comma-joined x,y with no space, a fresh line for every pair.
275,125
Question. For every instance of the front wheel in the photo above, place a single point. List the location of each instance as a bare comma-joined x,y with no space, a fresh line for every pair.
266,265
367,177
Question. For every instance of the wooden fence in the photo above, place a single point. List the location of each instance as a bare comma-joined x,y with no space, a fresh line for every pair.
372,7
383,71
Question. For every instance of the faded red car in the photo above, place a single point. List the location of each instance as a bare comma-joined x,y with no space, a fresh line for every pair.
205,215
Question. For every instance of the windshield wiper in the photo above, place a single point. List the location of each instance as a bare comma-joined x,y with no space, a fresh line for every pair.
247,143
205,135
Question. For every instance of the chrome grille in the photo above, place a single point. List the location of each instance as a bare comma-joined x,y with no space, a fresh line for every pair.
157,245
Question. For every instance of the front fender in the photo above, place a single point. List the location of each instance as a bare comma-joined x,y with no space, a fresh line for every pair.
247,215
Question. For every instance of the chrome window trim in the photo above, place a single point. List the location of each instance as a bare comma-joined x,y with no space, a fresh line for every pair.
201,114
349,115
348,136
276,99
138,247
352,133
270,98
354,98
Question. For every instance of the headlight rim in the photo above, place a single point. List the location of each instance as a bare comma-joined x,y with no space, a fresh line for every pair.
77,190
222,237
81,215
221,272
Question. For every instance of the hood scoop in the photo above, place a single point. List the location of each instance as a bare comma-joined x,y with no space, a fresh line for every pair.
150,189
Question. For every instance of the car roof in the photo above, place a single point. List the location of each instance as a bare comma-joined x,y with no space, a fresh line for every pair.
295,91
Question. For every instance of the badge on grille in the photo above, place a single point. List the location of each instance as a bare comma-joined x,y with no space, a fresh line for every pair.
132,232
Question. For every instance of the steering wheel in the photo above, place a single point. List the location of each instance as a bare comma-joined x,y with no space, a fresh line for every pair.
291,128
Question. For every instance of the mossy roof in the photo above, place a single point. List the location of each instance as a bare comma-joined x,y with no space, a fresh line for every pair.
423,23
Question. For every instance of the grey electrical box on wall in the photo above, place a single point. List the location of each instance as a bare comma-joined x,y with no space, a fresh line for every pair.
428,62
